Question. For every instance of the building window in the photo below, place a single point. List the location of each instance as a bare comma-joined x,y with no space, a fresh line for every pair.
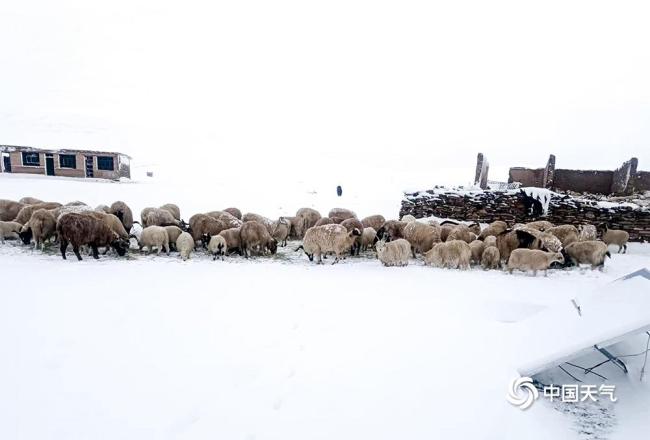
105,163
67,161
31,159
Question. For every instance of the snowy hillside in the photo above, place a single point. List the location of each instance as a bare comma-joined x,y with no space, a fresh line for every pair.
278,348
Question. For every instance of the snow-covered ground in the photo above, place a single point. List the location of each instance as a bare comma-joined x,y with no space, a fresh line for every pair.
278,348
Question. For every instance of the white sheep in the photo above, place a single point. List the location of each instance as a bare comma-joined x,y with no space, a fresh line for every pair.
217,246
184,245
588,252
9,229
617,237
491,258
477,247
587,233
328,238
490,240
533,259
394,253
368,238
408,218
453,254
154,237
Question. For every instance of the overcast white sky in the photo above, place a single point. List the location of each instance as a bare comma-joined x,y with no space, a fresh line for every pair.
418,86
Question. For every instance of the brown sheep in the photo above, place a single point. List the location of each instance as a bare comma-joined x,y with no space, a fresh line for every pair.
461,232
230,220
341,213
477,247
324,221
533,259
421,237
351,224
204,227
253,235
265,221
173,209
9,209
566,233
25,213
491,258
41,226
617,237
305,219
233,243
80,229
122,211
281,230
452,254
495,228
391,230
234,212
373,221
30,201
588,252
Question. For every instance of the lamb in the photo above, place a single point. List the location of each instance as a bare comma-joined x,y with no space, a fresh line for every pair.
9,209
341,213
122,211
421,237
173,232
324,221
185,245
41,226
328,238
80,229
477,247
264,221
9,229
491,258
453,254
373,221
154,237
394,253
391,230
233,243
588,252
25,213
173,209
253,235
617,237
495,228
217,246
351,224
408,218
281,230
368,238
30,201
587,233
305,219
234,212
533,259
566,233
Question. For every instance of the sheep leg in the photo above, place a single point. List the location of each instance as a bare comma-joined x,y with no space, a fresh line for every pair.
95,251
76,252
64,246
625,248
105,250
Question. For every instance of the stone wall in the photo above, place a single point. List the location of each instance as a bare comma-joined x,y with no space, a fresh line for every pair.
515,206
583,181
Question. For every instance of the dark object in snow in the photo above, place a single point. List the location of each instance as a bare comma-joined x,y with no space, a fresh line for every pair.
339,191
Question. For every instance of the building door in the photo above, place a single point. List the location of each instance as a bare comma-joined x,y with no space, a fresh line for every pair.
49,165
89,166
7,164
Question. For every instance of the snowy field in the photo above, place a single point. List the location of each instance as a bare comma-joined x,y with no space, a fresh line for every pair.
151,347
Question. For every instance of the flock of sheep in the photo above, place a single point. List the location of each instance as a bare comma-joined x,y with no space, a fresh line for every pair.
532,246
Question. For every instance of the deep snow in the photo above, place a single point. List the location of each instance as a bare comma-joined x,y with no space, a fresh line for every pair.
152,347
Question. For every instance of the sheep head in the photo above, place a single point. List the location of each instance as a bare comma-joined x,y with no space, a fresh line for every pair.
120,245
272,245
26,235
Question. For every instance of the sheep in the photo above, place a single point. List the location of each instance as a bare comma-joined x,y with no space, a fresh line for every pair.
540,225
566,233
305,219
421,237
324,221
495,228
341,213
461,232
546,240
351,224
122,211
154,237
77,209
617,237
25,213
533,259
508,241
234,212
76,203
103,208
159,217
80,229
203,226
391,230
445,230
452,254
111,221
368,238
475,228
587,233
30,201
408,218
173,232
281,230
588,252
9,209
227,218
373,221
173,209
490,241
264,221
185,245
41,226
254,235
233,243
394,253
143,216
477,247
9,229
491,258
328,238
217,246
